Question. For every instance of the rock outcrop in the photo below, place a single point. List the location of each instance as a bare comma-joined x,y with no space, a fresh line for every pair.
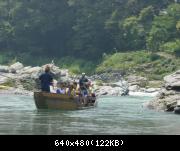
4,69
26,78
169,94
112,83
139,81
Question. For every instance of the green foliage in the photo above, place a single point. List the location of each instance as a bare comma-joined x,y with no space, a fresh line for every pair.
147,14
76,66
164,27
178,26
150,65
124,61
1,59
171,47
155,84
74,69
154,57
83,29
76,33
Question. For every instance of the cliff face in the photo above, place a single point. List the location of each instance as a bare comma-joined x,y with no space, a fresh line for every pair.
169,94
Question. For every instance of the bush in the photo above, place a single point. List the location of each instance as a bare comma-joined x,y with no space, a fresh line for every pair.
172,47
124,61
155,77
154,57
3,59
76,66
74,69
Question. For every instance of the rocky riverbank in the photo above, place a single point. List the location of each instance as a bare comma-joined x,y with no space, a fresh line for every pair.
169,94
20,79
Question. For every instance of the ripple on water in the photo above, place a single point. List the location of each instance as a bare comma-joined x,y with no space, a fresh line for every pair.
113,115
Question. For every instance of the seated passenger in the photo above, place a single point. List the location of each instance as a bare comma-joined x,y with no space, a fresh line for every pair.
75,89
61,89
53,87
70,90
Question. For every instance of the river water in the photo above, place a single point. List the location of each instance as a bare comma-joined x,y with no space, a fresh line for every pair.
113,115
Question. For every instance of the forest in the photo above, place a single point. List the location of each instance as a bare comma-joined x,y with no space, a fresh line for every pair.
84,34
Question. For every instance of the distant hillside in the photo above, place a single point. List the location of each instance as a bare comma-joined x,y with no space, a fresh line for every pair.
78,33
154,66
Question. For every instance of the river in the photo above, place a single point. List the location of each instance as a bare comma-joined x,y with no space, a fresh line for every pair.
113,115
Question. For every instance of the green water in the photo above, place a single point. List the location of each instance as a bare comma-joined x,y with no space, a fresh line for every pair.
113,115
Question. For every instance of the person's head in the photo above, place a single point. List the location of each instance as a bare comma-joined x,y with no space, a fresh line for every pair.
75,85
47,69
83,74
54,83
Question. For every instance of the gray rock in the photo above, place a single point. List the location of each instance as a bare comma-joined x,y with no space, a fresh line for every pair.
177,110
16,67
173,80
4,69
151,90
3,79
32,70
108,90
137,80
134,88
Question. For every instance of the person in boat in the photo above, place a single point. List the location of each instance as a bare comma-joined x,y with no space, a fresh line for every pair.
83,88
61,88
53,87
46,80
70,89
83,84
75,88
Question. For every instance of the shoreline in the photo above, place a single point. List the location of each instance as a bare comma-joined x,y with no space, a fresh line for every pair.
18,79
22,92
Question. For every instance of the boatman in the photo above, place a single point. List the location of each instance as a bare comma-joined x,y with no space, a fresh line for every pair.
83,84
46,80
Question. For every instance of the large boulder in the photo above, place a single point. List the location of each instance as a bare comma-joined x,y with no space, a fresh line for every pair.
4,69
32,70
137,80
54,70
111,91
173,81
134,88
3,79
64,72
166,103
14,68
151,90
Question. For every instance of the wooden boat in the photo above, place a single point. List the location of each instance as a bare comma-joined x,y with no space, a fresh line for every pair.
45,100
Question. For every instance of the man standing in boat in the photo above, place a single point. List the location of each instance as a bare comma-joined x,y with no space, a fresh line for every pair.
83,84
46,80
83,89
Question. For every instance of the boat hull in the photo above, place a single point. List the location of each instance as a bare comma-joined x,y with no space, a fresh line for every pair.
45,100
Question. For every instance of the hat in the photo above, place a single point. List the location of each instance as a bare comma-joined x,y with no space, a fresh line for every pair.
83,73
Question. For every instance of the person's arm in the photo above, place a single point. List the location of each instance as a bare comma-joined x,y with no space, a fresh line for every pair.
86,80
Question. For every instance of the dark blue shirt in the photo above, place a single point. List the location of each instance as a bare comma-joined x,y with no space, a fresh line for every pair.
46,80
82,82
